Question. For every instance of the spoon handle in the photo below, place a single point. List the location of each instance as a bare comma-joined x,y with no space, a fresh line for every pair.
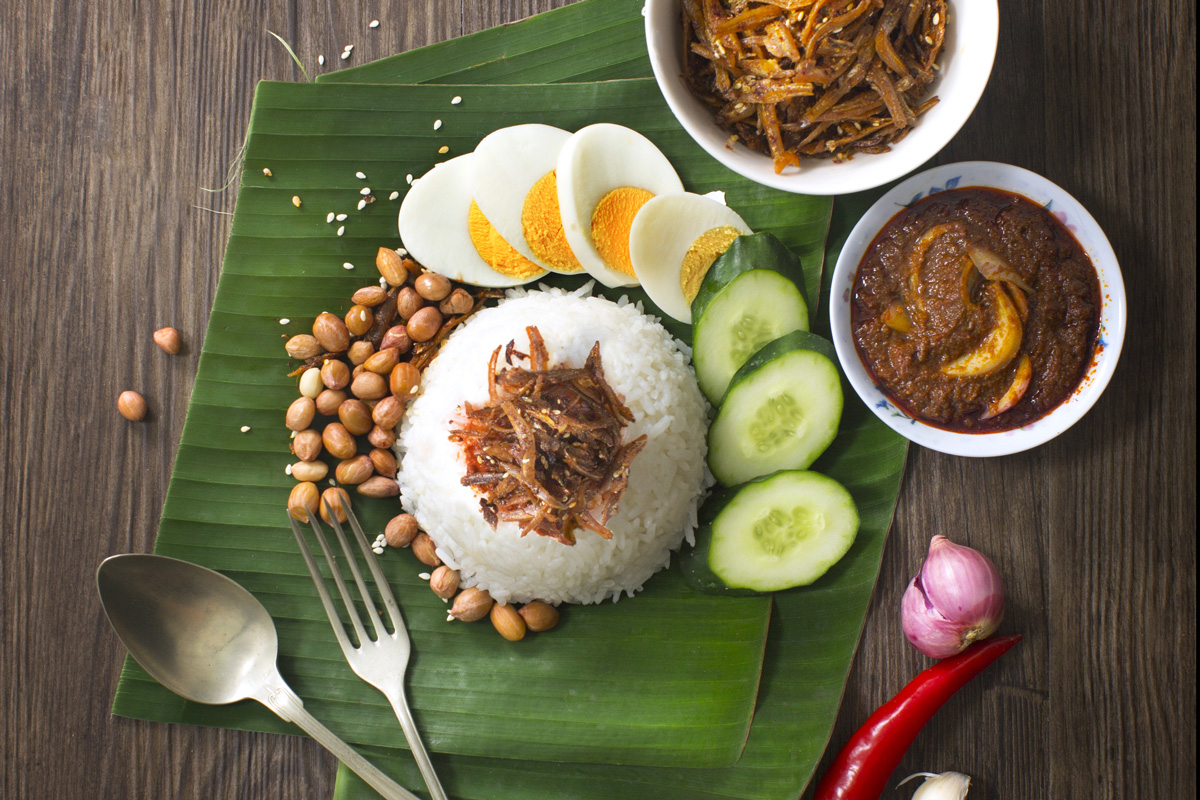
288,705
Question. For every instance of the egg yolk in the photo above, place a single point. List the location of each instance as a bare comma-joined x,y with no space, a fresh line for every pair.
701,255
541,222
611,222
492,248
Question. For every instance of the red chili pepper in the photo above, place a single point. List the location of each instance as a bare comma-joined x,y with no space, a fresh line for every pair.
862,768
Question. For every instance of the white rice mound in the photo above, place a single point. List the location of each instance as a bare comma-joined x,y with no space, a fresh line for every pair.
645,366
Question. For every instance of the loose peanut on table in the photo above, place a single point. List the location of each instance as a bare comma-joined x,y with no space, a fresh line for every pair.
132,406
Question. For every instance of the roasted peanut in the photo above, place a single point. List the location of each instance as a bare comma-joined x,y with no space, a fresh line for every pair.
307,445
459,302
397,337
359,319
300,413
539,616
400,530
360,352
425,550
408,302
311,384
335,374
507,622
368,385
355,415
354,471
432,287
132,406
329,400
403,380
310,471
471,604
379,486
331,332
424,324
369,296
303,500
338,441
384,462
335,500
391,266
381,437
302,346
444,582
168,339
383,361
387,412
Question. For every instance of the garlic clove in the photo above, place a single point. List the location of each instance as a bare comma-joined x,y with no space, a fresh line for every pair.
946,786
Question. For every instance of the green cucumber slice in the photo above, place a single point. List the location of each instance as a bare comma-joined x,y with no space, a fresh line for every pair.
783,531
753,309
747,252
781,411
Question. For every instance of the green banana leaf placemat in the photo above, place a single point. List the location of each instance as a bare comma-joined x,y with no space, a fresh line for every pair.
667,679
594,40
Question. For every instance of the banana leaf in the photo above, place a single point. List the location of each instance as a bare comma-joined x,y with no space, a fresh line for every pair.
688,666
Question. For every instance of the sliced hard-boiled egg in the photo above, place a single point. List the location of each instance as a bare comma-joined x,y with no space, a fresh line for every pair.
514,184
674,239
606,173
442,228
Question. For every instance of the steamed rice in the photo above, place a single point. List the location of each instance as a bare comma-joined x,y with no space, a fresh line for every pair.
645,366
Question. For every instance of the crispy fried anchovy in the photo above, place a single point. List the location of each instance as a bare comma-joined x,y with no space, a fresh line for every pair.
545,453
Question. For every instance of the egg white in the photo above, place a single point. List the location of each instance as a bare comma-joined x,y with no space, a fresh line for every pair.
593,162
660,237
434,229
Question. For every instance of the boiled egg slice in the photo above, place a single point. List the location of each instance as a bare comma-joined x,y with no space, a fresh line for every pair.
442,228
673,241
514,183
606,173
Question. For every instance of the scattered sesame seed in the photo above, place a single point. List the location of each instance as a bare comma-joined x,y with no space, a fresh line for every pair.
332,482
393,195
442,149
329,217
293,436
348,48
341,217
345,55
296,200
408,179
366,190
374,24
321,60
928,40
400,251
449,618
362,204
267,171
360,175
245,429
284,321
288,469
383,282
341,230
347,265
423,576
455,100
377,551
437,124
936,18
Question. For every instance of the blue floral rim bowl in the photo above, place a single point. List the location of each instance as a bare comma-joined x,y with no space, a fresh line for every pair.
1086,231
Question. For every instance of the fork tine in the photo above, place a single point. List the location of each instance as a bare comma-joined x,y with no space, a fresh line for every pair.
368,601
326,601
385,590
355,620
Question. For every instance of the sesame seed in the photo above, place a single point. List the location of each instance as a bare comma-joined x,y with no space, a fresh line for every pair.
408,179
936,18
423,576
347,265
360,175
296,200
293,436
341,230
393,195
928,40
442,149
455,100
329,217
267,171
345,55
321,60
374,24
341,217
377,551
400,251
245,429
348,48
383,282
284,321
362,204
288,469
366,190
437,124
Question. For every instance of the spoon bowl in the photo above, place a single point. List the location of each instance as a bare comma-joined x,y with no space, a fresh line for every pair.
207,639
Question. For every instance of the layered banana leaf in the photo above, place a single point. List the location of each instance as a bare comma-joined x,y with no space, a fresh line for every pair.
668,678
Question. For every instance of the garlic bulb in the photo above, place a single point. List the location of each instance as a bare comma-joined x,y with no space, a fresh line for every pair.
946,786
956,599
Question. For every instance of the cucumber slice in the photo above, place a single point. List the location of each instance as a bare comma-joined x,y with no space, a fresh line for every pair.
783,531
747,252
756,307
781,411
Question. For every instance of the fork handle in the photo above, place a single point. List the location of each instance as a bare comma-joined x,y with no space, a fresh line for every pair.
288,705
400,706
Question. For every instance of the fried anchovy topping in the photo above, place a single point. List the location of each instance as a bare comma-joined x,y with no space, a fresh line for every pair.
545,452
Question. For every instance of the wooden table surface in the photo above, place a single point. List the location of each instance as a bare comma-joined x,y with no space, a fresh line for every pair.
114,114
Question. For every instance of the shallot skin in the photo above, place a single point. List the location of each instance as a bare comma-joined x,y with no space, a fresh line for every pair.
956,599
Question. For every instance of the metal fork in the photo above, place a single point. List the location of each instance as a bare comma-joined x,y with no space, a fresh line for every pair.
381,661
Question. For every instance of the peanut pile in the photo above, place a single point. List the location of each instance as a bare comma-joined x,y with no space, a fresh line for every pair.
359,371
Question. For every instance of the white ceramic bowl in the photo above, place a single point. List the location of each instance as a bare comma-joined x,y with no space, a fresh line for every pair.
969,50
1078,221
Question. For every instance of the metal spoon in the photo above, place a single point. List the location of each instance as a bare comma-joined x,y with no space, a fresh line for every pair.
207,639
